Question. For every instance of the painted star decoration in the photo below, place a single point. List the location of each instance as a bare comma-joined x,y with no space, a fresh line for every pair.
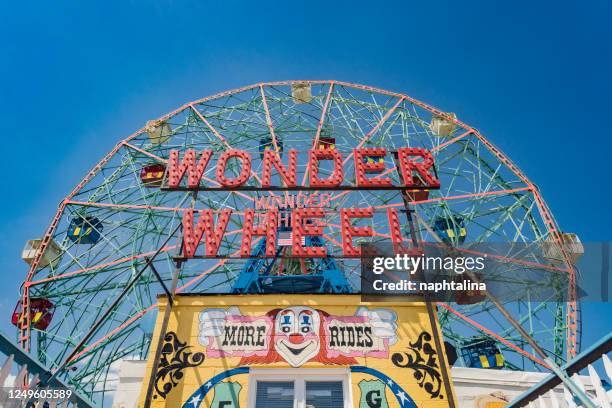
402,397
195,400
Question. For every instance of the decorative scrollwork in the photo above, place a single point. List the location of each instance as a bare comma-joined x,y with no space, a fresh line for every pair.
174,359
421,357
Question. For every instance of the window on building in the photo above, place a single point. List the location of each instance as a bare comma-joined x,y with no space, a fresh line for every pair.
299,389
275,394
324,394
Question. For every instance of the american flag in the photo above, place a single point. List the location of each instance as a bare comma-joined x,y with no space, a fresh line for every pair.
285,238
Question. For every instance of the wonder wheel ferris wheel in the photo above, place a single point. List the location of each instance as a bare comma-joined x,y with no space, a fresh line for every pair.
114,236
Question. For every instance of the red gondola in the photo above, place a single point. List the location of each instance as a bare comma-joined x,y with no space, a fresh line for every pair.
152,175
41,313
418,195
469,297
327,143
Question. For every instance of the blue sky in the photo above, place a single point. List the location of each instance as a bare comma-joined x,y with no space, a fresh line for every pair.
534,77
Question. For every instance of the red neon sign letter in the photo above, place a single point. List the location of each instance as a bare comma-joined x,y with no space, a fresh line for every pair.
176,171
273,158
301,229
349,231
313,163
361,167
245,161
268,230
407,166
206,227
395,231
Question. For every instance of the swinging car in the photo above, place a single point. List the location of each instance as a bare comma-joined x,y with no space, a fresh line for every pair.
450,229
267,144
85,230
441,126
482,353
301,92
327,143
569,242
373,159
159,132
51,256
469,297
41,313
152,175
417,195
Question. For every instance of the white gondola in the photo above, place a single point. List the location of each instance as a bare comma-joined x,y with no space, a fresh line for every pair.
50,257
158,131
442,126
570,243
301,92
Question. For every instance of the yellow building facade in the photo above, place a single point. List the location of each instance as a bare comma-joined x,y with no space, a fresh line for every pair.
297,351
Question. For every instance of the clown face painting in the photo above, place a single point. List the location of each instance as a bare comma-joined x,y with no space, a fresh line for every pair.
297,334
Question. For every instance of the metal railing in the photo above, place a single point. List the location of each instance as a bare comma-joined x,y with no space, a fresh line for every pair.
19,390
599,394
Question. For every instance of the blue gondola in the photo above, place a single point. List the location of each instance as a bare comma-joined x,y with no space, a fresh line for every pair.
373,160
482,353
267,144
85,230
450,229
